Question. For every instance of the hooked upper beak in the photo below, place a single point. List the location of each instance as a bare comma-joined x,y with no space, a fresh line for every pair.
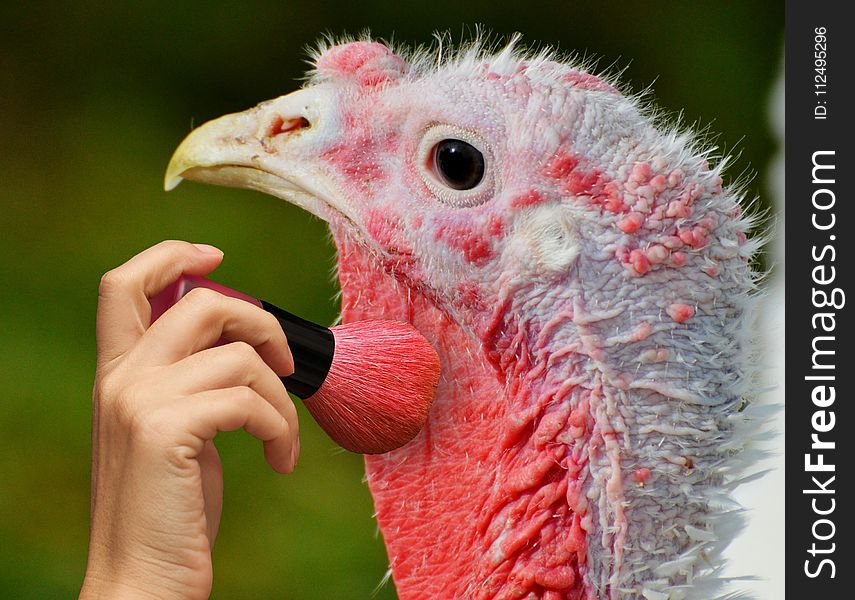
272,148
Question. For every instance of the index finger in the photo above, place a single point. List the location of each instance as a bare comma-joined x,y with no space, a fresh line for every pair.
124,312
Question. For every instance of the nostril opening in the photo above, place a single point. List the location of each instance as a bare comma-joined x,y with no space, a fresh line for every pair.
281,125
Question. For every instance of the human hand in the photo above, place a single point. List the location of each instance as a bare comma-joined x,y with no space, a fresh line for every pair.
162,392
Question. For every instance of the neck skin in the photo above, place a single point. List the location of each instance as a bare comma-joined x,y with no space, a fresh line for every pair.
545,467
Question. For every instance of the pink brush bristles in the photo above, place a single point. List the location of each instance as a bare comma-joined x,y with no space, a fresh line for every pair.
379,388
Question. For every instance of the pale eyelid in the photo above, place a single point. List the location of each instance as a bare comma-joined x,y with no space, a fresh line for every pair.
435,133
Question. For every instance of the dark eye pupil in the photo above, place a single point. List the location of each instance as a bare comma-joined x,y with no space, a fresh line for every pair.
459,164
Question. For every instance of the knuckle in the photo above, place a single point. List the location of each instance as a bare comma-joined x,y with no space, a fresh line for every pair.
244,354
202,295
245,395
128,401
140,419
203,299
121,399
108,386
111,282
272,323
121,405
130,409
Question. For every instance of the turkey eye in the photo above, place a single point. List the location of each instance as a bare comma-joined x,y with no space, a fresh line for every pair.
459,164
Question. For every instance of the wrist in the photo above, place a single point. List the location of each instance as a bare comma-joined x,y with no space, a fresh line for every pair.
146,579
96,588
142,570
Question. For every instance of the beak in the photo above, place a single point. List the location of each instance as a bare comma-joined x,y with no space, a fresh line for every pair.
269,148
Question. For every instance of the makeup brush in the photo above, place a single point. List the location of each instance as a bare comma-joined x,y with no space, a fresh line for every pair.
368,384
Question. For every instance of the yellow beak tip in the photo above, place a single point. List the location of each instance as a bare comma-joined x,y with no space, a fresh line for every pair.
171,181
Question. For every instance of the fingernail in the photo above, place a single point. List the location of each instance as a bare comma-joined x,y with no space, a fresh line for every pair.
295,452
208,249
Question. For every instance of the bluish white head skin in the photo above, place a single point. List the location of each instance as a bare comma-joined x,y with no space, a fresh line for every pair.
586,281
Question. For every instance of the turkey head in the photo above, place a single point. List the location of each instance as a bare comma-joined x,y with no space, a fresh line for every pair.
585,279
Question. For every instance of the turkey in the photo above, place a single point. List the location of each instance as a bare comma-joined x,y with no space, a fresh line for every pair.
586,281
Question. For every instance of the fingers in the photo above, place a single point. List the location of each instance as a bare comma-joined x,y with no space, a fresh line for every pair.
170,379
232,365
228,409
123,309
201,318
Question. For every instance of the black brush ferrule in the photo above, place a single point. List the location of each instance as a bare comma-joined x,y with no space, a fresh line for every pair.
312,347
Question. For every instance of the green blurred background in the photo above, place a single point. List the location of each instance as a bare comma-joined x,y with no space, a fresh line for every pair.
94,97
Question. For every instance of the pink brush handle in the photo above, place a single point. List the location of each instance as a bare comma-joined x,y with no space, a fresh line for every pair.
177,290
312,345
